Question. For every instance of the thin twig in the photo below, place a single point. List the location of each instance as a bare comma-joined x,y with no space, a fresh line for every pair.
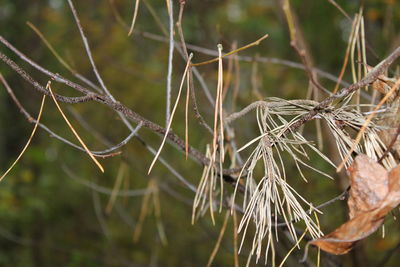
88,51
299,45
342,196
101,154
367,80
234,116
185,54
60,59
133,116
66,99
102,189
268,60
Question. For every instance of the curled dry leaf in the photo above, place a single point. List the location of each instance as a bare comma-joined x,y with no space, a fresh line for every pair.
374,193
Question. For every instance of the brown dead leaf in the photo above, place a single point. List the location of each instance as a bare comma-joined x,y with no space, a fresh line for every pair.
366,193
390,123
344,238
374,193
391,120
383,84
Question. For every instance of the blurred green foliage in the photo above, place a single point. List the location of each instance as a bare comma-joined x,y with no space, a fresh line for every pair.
48,218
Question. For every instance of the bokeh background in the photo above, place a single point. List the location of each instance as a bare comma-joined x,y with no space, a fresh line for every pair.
53,204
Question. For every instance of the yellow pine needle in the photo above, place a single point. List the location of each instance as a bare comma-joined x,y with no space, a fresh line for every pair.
144,210
291,250
187,117
217,245
157,213
117,185
367,121
216,108
172,115
363,49
356,37
156,17
346,57
135,12
319,249
50,47
255,43
339,8
168,6
48,86
220,93
30,138
235,240
220,89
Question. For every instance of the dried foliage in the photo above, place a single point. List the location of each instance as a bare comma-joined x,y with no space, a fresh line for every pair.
374,193
271,197
261,187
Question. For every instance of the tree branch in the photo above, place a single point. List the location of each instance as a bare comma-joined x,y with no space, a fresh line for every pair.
367,80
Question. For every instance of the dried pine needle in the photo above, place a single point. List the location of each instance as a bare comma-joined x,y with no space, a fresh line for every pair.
172,115
117,186
367,121
135,12
144,210
30,138
48,87
235,240
187,117
255,43
291,250
50,47
217,245
157,213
